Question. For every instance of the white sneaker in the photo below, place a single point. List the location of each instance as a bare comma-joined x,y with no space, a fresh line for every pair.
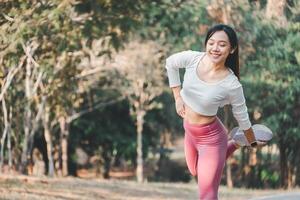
261,133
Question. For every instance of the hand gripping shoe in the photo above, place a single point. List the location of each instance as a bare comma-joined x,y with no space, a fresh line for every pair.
261,133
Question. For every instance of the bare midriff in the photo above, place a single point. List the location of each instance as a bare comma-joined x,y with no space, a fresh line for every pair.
193,117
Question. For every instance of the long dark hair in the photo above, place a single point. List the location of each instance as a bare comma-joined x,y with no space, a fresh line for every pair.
232,60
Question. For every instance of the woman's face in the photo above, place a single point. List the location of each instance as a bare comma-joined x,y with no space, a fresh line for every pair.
218,47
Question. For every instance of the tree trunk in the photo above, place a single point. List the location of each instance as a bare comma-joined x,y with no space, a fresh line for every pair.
107,162
252,163
291,176
48,139
253,157
9,141
64,128
229,181
243,165
34,125
225,10
283,166
275,11
7,81
139,148
5,131
27,125
219,10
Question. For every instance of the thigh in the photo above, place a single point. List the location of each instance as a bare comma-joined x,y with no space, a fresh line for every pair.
191,154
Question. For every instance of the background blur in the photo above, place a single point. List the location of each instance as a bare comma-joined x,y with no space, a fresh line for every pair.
84,90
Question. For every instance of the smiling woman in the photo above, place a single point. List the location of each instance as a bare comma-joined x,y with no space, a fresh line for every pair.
211,80
217,47
222,45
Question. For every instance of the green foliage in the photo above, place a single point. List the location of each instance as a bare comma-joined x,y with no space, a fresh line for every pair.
166,117
177,24
275,69
110,128
112,19
269,177
272,83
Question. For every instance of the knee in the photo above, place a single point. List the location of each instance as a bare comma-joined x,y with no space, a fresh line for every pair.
193,172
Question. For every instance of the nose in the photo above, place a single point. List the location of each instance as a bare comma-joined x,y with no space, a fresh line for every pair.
215,47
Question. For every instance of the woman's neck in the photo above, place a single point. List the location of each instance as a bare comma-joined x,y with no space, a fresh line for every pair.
215,67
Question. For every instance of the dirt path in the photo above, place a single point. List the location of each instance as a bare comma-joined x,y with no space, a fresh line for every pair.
29,188
284,196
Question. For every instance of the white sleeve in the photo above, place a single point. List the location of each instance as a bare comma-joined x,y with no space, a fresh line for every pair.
239,108
176,61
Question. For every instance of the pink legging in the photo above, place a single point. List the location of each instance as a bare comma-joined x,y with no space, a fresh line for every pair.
206,150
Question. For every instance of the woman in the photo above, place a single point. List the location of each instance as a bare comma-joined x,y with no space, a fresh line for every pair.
211,80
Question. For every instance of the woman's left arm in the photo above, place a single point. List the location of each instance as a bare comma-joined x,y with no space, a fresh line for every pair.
240,112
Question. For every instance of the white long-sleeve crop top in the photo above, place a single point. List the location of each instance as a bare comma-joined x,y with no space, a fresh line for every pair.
203,97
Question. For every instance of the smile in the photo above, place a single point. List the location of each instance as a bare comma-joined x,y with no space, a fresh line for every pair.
215,55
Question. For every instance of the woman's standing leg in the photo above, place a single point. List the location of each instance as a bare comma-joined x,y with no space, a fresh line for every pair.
211,161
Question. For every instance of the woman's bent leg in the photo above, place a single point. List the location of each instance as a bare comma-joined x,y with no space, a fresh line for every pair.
191,154
231,147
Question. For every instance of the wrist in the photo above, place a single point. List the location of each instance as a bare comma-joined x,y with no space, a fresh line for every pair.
177,97
250,136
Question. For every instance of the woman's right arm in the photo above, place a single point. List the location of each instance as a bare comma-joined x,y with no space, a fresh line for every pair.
176,61
173,63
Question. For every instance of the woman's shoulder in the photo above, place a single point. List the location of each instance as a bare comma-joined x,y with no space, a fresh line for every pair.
185,58
186,54
232,82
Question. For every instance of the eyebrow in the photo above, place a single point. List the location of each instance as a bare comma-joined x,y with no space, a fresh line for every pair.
219,40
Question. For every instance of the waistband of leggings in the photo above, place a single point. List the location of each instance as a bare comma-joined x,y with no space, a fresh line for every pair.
216,120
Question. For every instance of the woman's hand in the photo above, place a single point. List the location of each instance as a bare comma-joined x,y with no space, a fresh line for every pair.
251,139
260,144
180,108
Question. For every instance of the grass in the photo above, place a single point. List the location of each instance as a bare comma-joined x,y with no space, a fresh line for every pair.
31,188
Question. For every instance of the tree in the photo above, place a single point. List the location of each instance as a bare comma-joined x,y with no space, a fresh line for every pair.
57,35
277,90
275,11
139,64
